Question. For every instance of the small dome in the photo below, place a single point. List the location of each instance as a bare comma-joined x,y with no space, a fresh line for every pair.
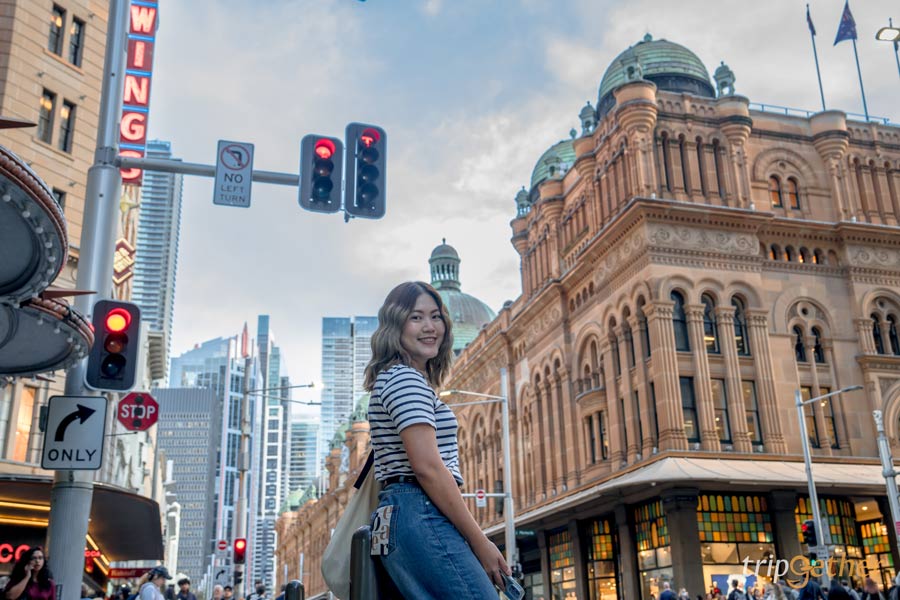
554,163
444,251
468,314
671,66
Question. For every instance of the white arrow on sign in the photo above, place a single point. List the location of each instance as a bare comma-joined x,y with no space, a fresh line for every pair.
73,440
234,174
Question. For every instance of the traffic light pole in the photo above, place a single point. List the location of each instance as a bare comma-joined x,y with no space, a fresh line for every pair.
813,496
240,530
72,491
887,469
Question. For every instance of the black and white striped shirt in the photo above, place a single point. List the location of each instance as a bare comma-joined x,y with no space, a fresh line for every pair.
402,397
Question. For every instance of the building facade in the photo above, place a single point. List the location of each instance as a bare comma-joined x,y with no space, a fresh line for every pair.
302,461
689,263
346,350
189,433
156,252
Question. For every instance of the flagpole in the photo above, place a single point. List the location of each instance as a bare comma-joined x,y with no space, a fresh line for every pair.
861,89
812,36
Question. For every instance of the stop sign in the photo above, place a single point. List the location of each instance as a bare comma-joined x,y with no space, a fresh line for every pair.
138,411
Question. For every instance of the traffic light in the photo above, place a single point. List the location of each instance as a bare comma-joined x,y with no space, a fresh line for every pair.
808,529
320,173
240,551
114,356
366,172
238,577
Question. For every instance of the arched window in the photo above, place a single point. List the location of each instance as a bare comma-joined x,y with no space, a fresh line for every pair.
775,252
685,172
645,329
818,257
793,194
629,344
789,254
876,334
679,322
701,166
710,334
720,169
804,255
892,334
775,192
799,348
740,327
667,161
817,349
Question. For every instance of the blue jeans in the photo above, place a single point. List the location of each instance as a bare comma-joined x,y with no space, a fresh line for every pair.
425,555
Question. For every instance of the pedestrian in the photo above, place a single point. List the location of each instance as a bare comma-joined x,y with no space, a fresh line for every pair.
894,592
735,593
152,588
871,591
683,594
31,578
837,592
846,585
218,592
667,593
422,531
260,593
811,591
184,590
229,592
281,595
774,592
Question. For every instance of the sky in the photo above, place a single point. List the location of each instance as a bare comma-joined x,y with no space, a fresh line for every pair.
470,93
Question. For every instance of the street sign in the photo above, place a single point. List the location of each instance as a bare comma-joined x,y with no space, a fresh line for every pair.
138,411
480,499
821,551
125,573
222,545
234,174
526,532
74,436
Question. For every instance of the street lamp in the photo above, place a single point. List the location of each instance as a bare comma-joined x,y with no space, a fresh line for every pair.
890,34
503,399
804,440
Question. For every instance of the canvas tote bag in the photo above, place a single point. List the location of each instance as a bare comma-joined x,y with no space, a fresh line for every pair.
336,560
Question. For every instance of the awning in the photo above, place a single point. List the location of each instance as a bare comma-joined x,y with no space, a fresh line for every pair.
843,477
125,525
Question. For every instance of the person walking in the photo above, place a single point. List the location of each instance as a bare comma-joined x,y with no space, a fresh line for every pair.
667,593
31,578
774,592
811,591
736,593
837,592
184,590
152,588
871,591
422,531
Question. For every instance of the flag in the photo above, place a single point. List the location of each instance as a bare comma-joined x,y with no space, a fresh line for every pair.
812,28
847,28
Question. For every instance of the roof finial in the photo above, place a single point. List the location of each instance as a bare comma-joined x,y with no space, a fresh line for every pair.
443,240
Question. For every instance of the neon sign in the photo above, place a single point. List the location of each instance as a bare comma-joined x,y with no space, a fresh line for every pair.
10,553
143,19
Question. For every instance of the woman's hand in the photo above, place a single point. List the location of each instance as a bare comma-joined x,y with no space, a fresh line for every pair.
493,562
29,567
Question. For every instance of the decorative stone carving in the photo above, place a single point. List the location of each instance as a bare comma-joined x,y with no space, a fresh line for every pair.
885,383
695,238
620,256
870,256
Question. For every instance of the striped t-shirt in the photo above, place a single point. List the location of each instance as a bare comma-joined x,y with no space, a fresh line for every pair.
402,397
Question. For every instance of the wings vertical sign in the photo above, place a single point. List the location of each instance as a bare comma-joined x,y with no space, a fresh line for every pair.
143,19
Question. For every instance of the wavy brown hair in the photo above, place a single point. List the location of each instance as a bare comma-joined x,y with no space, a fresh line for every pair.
386,348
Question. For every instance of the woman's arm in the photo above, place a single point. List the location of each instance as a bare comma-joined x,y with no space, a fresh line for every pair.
14,591
420,443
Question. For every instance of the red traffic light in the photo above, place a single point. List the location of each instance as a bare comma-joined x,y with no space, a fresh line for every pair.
369,137
324,149
240,551
240,544
117,320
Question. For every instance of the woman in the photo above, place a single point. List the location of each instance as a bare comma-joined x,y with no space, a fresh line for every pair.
871,591
31,577
427,540
774,592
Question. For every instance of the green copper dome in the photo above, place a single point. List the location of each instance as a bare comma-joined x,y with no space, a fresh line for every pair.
671,66
554,163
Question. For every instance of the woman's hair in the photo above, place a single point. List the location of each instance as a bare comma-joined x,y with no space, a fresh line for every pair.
392,316
44,575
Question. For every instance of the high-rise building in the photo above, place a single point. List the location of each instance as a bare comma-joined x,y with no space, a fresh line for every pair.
346,350
219,365
189,433
156,253
302,458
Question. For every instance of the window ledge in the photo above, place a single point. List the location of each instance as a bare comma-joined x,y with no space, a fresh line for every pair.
53,148
63,61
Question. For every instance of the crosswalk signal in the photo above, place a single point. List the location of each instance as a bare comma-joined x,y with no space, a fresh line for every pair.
238,577
240,551
321,170
808,529
366,172
112,363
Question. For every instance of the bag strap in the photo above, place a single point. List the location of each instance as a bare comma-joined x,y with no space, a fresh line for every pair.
365,470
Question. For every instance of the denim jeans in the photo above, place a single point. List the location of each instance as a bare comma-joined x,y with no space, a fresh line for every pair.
425,555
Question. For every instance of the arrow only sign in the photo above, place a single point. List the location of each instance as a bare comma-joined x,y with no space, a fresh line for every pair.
75,430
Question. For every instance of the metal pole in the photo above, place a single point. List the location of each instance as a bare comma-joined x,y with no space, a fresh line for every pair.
243,467
862,90
887,469
813,497
507,474
72,491
812,36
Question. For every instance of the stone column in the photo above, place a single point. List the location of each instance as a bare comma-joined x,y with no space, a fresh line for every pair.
773,436
641,385
579,547
781,506
706,413
627,555
665,375
555,442
614,420
809,343
575,462
630,418
541,479
737,414
680,508
864,333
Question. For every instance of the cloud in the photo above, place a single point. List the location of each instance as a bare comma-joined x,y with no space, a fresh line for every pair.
432,7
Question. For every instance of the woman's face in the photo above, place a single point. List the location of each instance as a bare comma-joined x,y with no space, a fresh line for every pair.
423,331
37,561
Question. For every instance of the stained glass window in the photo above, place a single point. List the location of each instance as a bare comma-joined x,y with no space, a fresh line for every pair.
733,518
650,526
838,514
562,552
875,537
601,565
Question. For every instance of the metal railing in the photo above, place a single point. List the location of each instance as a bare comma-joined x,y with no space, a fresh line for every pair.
363,577
801,112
